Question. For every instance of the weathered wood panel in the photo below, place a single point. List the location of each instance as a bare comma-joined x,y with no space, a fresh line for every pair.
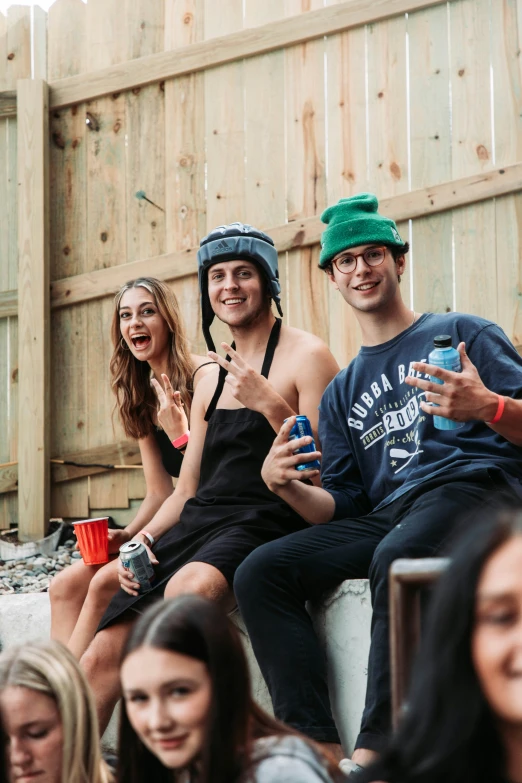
15,31
185,200
472,152
228,48
67,37
33,311
431,256
305,173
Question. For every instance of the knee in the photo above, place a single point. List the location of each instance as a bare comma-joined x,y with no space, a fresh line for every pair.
257,574
67,585
198,579
383,557
102,656
103,585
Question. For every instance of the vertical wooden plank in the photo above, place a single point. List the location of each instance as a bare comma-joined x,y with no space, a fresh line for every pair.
430,128
185,205
107,42
505,48
387,107
3,53
347,164
67,37
224,129
33,311
264,79
305,173
17,65
39,57
472,152
145,126
5,447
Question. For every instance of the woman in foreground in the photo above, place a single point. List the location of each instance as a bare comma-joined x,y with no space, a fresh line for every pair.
463,720
188,715
49,717
153,376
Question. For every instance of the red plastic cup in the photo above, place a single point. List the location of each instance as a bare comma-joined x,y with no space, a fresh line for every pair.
93,540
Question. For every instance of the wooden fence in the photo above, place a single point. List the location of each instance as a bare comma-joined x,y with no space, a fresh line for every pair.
169,117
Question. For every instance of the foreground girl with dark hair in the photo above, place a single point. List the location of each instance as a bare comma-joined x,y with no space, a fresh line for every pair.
153,376
463,722
188,713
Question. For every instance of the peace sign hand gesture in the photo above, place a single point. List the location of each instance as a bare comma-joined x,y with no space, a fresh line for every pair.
171,411
248,387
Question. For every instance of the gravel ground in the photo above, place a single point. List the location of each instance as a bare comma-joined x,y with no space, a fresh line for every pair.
33,574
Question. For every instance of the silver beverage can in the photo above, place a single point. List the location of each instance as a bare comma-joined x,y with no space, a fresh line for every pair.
134,557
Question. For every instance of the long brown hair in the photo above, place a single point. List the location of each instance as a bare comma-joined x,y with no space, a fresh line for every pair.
135,397
198,628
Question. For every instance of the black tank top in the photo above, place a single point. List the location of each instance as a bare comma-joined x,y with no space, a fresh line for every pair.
170,456
236,444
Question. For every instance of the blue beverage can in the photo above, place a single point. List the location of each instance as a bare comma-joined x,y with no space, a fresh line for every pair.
301,428
134,557
446,357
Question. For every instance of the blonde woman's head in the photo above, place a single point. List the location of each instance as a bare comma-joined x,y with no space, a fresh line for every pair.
49,716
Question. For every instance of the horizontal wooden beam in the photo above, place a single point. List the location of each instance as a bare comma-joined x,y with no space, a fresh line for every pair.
7,104
416,204
301,233
236,46
121,453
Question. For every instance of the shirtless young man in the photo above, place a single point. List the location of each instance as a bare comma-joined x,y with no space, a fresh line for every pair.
221,509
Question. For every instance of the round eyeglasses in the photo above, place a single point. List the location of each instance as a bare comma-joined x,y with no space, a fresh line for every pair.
372,256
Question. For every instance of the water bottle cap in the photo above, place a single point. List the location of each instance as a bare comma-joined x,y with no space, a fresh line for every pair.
442,341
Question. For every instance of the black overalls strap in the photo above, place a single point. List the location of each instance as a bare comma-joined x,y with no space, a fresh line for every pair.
265,369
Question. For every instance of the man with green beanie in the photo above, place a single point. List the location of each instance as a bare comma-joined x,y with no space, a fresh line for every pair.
392,485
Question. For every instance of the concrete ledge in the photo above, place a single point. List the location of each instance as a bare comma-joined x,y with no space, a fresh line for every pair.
342,620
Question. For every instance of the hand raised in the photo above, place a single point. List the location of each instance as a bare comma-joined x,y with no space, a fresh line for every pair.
279,467
461,397
171,411
247,386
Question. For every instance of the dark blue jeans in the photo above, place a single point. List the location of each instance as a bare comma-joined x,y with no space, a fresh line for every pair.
275,581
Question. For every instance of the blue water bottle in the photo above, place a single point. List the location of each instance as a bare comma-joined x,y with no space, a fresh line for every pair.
446,357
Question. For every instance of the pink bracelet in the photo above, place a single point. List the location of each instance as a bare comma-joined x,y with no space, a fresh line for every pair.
181,441
500,410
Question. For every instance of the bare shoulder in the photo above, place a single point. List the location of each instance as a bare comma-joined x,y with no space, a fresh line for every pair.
203,366
298,343
205,384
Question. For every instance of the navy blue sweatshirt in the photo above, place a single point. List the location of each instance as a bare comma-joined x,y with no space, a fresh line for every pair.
376,441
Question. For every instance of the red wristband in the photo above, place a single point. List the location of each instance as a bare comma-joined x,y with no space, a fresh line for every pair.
500,410
181,441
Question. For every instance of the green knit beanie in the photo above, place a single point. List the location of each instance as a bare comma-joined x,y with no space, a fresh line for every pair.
355,221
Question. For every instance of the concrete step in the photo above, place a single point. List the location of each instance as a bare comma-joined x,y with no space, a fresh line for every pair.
342,621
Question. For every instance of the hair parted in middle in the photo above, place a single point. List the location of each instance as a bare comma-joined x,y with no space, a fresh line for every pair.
49,667
200,629
135,398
